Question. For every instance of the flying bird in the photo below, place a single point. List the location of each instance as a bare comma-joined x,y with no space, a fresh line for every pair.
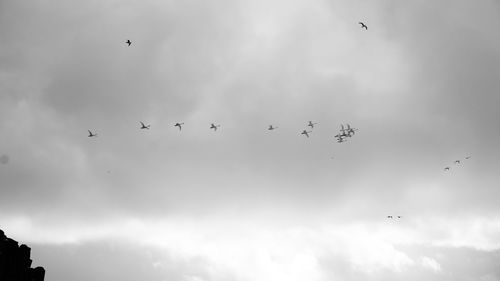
447,168
468,157
144,126
272,128
129,43
400,217
342,129
350,131
311,124
306,133
363,25
457,161
91,134
389,217
213,126
179,125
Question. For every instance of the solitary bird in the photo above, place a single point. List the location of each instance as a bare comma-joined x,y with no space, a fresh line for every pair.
144,126
468,157
129,43
457,161
447,168
363,25
306,133
272,128
399,217
213,126
311,124
179,125
91,134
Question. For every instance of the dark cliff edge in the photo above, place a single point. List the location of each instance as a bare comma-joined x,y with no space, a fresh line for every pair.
15,262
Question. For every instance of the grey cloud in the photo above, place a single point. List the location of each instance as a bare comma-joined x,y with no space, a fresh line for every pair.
420,85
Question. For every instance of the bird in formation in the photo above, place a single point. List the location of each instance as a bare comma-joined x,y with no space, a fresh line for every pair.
179,125
91,134
213,126
311,124
447,168
468,157
363,26
345,133
272,128
306,133
457,161
350,131
143,126
129,43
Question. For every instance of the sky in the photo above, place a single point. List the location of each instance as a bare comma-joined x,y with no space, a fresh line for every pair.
245,203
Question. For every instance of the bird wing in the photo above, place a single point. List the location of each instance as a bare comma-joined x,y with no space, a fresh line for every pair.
142,124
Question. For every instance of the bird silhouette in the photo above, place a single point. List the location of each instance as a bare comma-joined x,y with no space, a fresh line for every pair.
350,131
389,217
363,25
400,217
129,43
306,133
213,126
91,134
342,129
272,128
311,124
143,126
179,125
447,168
468,157
457,161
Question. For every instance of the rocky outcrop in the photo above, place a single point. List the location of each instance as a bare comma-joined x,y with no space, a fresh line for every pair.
15,262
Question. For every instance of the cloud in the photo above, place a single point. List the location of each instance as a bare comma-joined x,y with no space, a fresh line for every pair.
430,264
246,203
4,159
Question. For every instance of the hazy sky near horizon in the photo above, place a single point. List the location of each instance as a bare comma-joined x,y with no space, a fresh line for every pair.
245,203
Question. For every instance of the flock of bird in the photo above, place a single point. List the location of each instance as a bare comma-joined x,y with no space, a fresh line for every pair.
345,132
391,217
457,162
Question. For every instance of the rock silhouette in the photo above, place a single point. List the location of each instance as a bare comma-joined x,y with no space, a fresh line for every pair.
15,262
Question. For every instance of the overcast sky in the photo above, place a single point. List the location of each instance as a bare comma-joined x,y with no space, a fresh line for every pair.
245,203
